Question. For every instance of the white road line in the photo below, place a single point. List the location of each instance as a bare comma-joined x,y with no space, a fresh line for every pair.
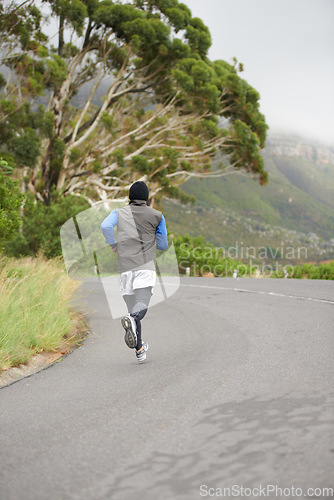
325,301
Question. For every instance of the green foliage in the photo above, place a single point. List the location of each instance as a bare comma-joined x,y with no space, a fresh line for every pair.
74,12
171,157
59,148
23,24
314,272
10,202
41,225
178,17
57,151
198,36
114,16
309,271
184,80
244,150
203,258
22,131
119,157
74,155
243,98
26,147
108,122
140,164
57,69
8,159
97,165
45,125
196,78
163,51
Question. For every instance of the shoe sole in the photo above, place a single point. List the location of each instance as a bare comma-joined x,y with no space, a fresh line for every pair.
130,338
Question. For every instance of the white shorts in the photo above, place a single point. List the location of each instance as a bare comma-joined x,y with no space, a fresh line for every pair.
131,280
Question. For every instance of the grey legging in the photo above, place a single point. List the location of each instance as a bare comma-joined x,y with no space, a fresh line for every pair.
137,306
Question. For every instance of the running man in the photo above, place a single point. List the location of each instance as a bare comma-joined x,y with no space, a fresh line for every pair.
141,230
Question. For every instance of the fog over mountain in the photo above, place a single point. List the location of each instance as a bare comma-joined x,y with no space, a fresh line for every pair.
292,145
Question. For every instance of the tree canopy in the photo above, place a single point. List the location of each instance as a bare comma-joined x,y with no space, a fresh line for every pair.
127,92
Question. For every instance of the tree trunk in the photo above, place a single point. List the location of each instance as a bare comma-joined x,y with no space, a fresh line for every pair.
61,35
51,167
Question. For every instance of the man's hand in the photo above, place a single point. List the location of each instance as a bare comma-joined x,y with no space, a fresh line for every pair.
114,247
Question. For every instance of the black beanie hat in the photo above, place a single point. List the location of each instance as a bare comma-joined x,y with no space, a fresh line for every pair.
138,191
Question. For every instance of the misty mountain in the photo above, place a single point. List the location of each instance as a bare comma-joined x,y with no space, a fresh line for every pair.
296,207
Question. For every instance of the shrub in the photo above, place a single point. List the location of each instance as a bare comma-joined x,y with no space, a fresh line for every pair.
41,225
314,272
10,202
202,258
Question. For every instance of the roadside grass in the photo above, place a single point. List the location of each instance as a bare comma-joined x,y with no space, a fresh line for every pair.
35,314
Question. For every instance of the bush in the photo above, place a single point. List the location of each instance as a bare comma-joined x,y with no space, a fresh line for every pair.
10,202
326,271
203,258
41,226
314,272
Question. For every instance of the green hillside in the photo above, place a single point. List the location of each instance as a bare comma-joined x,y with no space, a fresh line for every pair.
297,197
295,208
316,180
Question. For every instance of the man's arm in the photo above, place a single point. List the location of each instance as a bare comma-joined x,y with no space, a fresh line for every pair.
161,235
107,228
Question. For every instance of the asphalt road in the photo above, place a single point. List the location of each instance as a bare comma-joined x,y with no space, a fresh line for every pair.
237,391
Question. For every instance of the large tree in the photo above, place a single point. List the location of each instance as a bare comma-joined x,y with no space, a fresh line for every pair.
166,114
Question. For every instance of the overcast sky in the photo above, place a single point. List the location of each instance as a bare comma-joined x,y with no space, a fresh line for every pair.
287,47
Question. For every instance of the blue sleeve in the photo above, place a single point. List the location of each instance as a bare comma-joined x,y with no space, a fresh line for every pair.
107,227
161,235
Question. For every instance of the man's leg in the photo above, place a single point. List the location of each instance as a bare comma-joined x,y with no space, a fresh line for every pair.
129,323
130,301
142,300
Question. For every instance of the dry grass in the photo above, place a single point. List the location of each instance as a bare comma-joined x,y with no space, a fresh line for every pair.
35,314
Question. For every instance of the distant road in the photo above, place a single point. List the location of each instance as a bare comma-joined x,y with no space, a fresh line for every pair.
237,391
